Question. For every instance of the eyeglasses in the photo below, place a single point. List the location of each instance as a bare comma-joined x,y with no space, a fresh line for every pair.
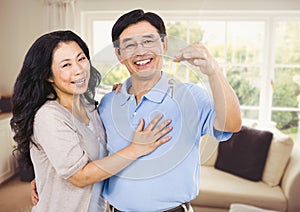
130,46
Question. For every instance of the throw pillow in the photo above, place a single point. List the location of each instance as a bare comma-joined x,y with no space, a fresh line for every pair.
245,153
279,154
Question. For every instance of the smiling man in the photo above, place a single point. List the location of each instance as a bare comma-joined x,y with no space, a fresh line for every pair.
140,49
168,178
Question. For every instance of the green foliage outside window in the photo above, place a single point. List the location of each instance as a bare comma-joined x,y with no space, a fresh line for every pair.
246,93
286,94
286,83
244,80
115,74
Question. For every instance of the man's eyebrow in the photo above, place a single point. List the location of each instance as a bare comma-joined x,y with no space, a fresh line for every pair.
143,36
126,39
148,36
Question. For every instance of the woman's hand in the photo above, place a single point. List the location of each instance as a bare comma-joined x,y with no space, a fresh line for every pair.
34,194
117,87
143,142
147,140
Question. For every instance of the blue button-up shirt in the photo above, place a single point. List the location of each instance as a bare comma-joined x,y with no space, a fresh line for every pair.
170,174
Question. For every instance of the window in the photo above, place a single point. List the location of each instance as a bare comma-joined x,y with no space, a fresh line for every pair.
286,83
238,47
258,52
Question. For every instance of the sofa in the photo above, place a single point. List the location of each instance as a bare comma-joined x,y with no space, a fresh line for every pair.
278,188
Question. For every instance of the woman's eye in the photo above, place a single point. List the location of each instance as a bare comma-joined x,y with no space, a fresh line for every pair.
82,58
66,65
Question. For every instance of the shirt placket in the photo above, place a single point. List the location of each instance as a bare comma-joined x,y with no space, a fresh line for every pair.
135,115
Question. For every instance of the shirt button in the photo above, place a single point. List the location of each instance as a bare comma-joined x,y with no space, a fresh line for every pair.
134,114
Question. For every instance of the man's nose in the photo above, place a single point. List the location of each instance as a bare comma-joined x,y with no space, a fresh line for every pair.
140,49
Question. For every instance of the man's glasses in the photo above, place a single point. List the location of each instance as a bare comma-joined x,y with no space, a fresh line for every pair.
129,46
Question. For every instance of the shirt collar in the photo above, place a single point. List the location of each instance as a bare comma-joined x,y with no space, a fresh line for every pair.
124,95
156,94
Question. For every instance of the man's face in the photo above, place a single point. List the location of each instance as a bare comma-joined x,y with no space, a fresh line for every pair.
141,49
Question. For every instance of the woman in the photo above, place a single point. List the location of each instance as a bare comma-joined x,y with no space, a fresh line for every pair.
57,127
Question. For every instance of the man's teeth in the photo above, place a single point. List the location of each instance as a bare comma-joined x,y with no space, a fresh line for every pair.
143,62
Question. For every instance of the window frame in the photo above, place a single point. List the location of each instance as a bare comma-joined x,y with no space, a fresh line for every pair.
270,18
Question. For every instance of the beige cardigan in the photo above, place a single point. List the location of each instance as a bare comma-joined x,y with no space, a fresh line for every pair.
64,145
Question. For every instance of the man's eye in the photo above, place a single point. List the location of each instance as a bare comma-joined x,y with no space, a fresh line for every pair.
129,46
148,41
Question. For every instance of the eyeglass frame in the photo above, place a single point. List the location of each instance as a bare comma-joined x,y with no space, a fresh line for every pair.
117,43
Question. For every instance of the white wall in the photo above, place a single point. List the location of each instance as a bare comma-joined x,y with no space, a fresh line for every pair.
190,4
21,22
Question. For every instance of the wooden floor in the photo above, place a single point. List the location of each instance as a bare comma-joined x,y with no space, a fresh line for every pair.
15,196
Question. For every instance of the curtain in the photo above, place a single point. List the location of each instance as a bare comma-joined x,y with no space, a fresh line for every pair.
60,14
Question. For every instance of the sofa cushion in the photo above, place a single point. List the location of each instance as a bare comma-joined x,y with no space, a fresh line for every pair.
279,154
208,150
219,189
236,207
245,153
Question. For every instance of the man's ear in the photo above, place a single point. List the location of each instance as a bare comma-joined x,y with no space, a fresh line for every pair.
118,54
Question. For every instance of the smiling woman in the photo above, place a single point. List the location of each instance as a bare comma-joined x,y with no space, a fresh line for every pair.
57,126
69,56
70,76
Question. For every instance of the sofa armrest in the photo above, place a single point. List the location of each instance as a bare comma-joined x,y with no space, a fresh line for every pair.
291,180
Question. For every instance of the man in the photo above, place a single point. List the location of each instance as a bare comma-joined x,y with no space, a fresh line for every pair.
168,178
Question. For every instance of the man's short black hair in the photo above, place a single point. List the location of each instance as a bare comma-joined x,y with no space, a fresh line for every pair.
134,17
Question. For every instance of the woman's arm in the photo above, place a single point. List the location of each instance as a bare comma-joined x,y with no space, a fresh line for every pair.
143,142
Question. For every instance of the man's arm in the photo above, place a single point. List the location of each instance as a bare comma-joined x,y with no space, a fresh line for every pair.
226,103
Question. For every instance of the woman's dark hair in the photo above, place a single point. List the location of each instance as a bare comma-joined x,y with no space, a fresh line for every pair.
32,88
134,17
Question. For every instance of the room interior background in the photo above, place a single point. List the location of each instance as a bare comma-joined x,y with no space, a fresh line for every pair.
23,21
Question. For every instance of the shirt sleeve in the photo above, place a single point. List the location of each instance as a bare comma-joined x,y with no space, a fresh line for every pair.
56,134
207,113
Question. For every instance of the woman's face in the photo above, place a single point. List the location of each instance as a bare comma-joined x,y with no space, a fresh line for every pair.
70,70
